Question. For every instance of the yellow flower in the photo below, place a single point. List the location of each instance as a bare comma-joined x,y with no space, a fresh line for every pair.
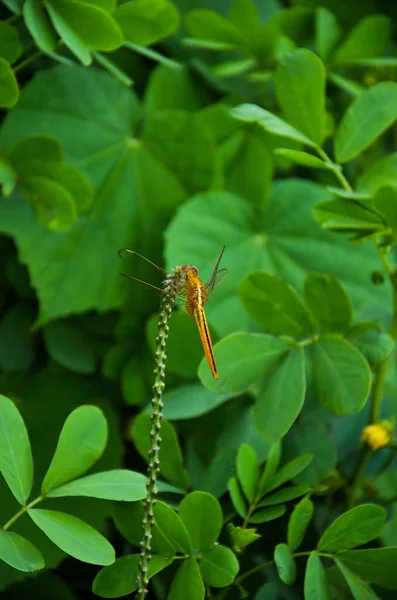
377,435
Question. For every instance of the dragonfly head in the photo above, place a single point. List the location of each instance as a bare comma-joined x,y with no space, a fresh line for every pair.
189,271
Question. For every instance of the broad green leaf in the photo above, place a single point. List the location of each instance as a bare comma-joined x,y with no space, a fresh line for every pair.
298,523
327,32
285,564
252,113
68,35
247,468
210,26
275,305
68,347
385,202
328,302
379,173
74,536
244,15
128,517
118,484
237,497
145,22
81,442
369,38
233,68
265,515
302,159
218,566
316,584
348,216
202,516
271,466
354,528
118,169
201,401
281,397
187,583
39,25
284,495
341,375
180,141
360,589
172,528
369,115
377,565
171,465
371,341
53,204
268,591
289,471
120,578
93,25
16,339
10,46
19,553
9,91
133,381
8,177
242,358
300,87
276,243
171,88
36,147
16,463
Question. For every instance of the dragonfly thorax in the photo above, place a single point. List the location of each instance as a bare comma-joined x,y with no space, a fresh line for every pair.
190,272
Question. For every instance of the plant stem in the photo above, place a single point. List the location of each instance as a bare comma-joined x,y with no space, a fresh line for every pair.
27,61
21,512
365,455
336,169
152,54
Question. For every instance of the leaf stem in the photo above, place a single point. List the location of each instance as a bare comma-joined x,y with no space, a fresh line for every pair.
21,512
27,61
152,54
336,169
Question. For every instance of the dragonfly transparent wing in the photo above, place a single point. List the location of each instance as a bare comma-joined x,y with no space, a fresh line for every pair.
217,275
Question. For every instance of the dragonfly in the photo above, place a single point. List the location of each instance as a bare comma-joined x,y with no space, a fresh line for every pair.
193,296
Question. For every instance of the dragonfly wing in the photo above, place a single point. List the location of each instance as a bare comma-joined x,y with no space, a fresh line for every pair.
215,280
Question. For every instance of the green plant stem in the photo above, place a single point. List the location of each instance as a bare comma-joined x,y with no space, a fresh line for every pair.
27,61
365,455
21,512
156,56
336,169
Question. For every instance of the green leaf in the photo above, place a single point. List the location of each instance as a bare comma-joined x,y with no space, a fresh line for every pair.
209,26
328,302
16,463
233,68
8,177
298,523
314,438
202,516
360,589
369,115
281,398
241,537
289,471
242,358
41,148
9,91
385,202
348,216
237,497
171,465
271,466
145,22
187,583
370,340
379,173
74,536
120,578
179,140
19,553
218,566
285,564
354,528
128,517
247,468
39,25
316,584
327,32
377,565
302,159
172,528
68,347
70,37
284,495
275,305
118,484
267,514
92,24
54,205
369,38
341,375
252,113
300,88
201,401
81,442
10,46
